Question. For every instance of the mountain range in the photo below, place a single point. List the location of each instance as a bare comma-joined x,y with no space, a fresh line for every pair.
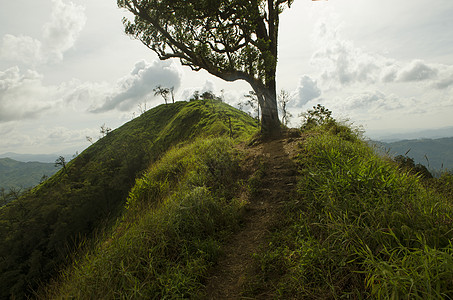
22,175
435,154
43,158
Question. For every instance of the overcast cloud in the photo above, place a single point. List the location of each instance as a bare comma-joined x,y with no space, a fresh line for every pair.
59,34
306,91
22,95
139,84
66,67
370,86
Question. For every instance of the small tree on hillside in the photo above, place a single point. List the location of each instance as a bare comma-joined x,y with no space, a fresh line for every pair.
172,93
104,130
195,96
317,116
60,162
142,107
159,90
252,100
283,99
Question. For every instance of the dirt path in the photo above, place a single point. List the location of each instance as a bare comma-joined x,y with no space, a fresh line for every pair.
278,179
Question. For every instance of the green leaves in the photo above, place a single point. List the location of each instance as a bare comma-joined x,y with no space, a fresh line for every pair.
210,34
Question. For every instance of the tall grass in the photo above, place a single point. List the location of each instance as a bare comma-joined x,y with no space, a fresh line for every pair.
359,228
177,216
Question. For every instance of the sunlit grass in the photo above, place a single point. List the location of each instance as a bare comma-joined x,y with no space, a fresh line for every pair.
359,227
177,215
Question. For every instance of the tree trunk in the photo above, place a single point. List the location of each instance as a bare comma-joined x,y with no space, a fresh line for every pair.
270,123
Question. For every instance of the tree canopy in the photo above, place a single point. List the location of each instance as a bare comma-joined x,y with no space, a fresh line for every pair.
231,39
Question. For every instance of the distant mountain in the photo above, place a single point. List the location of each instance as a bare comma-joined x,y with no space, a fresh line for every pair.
387,137
433,153
44,158
16,174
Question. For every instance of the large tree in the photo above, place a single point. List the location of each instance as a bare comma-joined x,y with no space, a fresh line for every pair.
231,39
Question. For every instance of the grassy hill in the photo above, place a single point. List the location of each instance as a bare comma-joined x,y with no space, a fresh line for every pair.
190,211
16,174
312,215
39,232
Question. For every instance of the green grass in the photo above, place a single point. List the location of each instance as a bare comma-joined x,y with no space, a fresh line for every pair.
359,228
177,215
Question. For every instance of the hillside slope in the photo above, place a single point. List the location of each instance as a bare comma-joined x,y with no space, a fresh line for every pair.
39,231
16,174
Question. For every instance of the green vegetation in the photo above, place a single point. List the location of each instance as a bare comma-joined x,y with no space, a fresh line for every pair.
360,227
39,231
177,215
147,210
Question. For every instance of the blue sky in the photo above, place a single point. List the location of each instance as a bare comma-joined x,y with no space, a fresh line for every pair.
66,68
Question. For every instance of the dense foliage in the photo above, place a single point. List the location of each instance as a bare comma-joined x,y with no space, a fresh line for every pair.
39,231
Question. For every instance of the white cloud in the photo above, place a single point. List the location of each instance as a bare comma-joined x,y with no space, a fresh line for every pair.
21,48
61,32
22,95
342,63
444,78
44,139
417,70
444,83
209,86
306,91
81,95
139,84
371,101
58,36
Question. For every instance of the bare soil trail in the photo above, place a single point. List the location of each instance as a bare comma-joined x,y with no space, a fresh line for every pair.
273,160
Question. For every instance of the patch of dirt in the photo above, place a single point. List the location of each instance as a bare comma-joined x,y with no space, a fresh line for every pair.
278,182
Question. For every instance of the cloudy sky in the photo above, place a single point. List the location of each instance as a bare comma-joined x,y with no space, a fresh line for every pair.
66,68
